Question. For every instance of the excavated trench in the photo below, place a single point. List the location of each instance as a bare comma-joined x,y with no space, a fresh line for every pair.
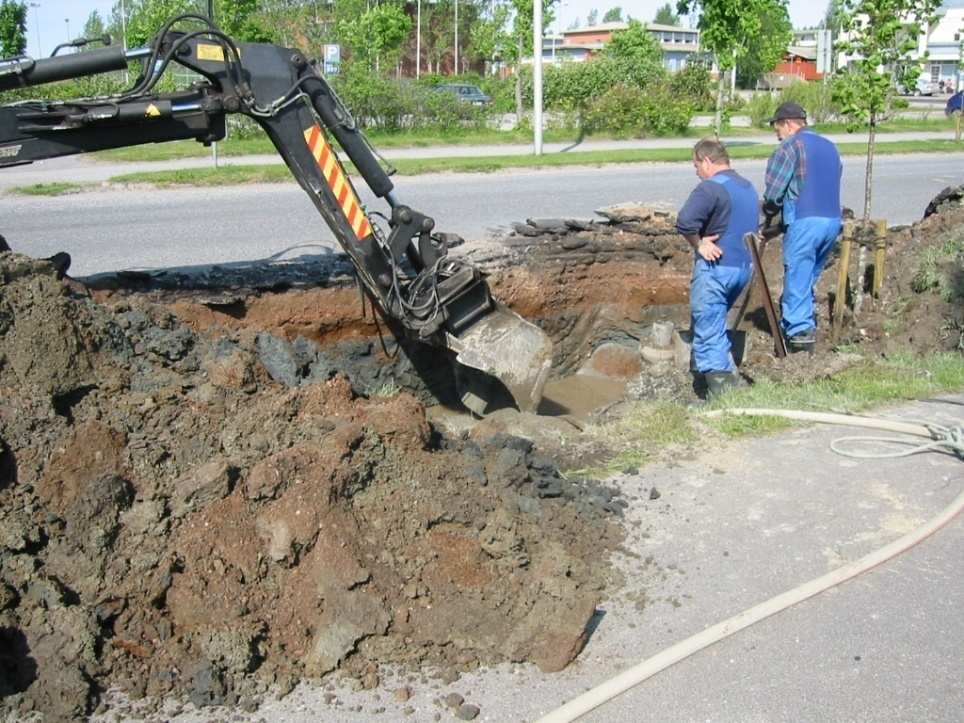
214,485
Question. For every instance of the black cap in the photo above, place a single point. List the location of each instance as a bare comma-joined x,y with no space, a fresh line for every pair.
789,111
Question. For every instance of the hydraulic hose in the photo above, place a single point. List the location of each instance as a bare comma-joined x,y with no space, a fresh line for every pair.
674,654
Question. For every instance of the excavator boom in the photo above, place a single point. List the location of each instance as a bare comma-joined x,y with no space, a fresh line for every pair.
404,268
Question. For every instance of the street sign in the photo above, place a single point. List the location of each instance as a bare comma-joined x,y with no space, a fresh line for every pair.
332,59
824,52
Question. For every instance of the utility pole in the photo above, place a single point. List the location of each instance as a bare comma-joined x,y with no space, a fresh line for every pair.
537,75
67,21
418,39
456,37
214,146
36,17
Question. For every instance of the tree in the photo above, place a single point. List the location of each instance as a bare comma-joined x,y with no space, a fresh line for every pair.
879,36
613,15
638,52
94,27
522,38
733,29
592,18
376,36
13,28
764,51
834,17
666,16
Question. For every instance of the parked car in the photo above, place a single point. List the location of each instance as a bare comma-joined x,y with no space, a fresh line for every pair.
464,92
924,86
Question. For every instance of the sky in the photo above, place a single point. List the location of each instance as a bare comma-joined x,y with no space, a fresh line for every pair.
53,18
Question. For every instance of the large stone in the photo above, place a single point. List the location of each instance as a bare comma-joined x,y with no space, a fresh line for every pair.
211,481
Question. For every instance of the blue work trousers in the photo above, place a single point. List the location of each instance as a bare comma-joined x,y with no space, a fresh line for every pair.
713,290
806,246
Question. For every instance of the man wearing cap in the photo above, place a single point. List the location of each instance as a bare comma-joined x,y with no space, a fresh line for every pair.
719,212
802,180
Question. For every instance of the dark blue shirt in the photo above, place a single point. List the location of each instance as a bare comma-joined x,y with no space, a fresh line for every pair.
729,209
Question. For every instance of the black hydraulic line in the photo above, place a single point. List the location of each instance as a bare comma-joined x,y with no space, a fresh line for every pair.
20,72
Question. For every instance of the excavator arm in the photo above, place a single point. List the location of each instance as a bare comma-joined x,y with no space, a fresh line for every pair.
404,268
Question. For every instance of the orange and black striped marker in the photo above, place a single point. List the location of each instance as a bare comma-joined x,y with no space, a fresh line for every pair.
337,181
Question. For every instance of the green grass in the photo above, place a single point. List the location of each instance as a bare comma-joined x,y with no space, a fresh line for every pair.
931,273
227,175
857,389
649,427
467,137
645,428
57,188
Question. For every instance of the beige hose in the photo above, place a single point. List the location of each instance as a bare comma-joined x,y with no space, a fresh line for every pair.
672,655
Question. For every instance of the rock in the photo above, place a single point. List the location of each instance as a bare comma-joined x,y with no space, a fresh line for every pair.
403,694
211,481
453,700
280,360
524,229
467,712
654,494
548,225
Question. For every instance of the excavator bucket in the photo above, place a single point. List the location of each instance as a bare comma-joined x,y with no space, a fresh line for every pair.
505,346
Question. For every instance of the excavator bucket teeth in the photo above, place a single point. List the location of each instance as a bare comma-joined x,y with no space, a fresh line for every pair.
504,345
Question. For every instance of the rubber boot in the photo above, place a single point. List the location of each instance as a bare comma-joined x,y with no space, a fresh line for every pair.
719,382
805,342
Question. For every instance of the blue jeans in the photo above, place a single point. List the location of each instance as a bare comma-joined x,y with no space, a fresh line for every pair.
713,290
806,246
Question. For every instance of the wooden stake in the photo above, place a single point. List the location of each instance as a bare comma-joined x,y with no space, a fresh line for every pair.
843,273
880,254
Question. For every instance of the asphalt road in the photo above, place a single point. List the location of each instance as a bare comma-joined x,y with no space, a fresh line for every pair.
109,230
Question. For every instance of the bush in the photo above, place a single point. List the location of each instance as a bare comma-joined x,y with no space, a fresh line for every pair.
693,83
761,108
625,110
815,97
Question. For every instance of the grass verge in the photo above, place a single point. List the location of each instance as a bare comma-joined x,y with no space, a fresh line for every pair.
228,175
259,145
649,427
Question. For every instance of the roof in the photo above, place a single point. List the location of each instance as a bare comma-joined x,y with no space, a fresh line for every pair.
672,28
807,52
601,28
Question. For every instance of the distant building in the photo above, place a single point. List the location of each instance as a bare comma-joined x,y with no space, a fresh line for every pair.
942,45
799,63
939,46
680,45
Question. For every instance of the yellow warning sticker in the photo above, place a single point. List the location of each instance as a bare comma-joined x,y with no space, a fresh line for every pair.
151,111
210,52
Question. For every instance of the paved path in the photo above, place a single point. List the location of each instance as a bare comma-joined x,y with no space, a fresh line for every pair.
85,169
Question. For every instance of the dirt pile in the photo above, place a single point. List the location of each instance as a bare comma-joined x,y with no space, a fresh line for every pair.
210,515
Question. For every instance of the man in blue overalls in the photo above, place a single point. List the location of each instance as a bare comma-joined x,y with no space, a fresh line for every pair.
802,179
718,213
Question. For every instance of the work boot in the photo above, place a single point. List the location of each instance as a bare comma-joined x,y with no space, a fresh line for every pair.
805,342
719,382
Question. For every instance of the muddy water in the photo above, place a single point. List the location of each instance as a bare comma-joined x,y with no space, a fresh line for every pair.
580,395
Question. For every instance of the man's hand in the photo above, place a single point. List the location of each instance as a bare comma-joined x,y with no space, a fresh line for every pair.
708,249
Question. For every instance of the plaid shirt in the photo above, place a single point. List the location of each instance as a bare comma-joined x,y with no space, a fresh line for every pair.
786,170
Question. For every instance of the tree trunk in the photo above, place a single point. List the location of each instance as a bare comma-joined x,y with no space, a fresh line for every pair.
868,188
957,125
518,89
718,119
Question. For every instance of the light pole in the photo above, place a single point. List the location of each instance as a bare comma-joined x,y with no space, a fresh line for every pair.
36,17
456,37
537,75
67,21
418,38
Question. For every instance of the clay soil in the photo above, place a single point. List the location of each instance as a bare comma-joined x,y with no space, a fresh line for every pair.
218,485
